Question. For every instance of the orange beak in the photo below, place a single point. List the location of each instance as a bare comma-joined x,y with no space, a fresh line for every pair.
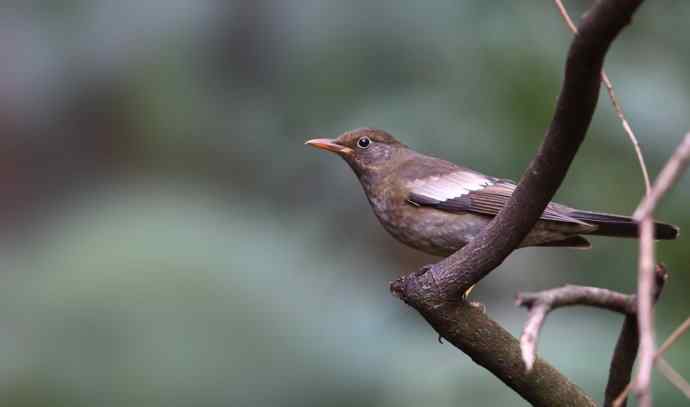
329,145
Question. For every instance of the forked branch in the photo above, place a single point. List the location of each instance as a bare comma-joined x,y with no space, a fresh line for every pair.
540,304
435,292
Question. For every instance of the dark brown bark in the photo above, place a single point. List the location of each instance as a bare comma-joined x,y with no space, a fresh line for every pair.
624,354
469,329
434,290
623,360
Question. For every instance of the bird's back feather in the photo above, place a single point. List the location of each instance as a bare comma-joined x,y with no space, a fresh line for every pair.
460,190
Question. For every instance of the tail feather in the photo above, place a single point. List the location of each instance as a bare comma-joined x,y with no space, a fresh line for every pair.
573,242
622,226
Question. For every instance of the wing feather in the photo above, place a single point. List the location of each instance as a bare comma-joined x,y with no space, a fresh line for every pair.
468,191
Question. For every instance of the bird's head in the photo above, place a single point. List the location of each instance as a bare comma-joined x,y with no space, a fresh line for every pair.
366,150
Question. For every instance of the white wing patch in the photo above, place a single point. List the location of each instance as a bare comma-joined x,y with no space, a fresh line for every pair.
454,185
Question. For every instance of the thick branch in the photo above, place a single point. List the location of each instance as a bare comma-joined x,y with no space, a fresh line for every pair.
455,274
432,291
623,361
469,329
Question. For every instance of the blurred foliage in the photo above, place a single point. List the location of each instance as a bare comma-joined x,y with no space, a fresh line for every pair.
167,239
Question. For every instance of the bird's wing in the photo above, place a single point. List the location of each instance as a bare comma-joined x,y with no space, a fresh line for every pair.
468,191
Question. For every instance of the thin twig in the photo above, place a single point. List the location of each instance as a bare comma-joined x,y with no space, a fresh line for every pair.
530,334
566,16
668,176
625,352
645,316
673,377
628,130
680,331
677,333
539,304
618,402
614,101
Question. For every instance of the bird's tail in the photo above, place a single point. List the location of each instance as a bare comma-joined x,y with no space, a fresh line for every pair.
622,226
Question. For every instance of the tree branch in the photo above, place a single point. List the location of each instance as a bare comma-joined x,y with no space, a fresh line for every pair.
541,303
614,102
488,344
455,274
645,317
677,333
623,361
434,291
673,169
673,377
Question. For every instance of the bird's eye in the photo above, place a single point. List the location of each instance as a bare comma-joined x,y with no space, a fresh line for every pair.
363,142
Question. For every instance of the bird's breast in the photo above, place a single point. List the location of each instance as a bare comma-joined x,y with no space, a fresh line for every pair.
426,229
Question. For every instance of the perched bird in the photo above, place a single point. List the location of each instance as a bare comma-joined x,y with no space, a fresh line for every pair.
437,207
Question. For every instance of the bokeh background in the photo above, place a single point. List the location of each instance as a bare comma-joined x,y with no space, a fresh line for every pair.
167,240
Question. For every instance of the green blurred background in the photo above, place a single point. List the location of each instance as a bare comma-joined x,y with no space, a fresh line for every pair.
167,240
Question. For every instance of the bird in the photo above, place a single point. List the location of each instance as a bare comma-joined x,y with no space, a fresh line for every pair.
437,207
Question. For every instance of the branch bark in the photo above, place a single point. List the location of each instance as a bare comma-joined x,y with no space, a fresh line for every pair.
434,290
492,347
622,362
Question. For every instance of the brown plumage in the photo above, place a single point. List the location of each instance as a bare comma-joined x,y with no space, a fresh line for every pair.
436,206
